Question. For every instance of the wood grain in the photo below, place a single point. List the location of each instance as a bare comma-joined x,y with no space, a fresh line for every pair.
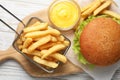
10,69
30,68
33,70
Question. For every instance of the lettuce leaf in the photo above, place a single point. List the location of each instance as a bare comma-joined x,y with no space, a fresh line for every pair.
76,44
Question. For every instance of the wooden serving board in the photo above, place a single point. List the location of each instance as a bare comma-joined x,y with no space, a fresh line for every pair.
30,68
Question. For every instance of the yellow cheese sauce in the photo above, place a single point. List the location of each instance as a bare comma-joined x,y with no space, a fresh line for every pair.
64,14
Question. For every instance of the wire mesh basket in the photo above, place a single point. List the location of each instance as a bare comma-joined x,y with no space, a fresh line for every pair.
31,21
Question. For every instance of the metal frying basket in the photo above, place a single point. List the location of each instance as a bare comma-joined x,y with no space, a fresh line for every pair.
32,20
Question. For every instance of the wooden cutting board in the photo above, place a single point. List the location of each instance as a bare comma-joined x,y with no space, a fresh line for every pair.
31,69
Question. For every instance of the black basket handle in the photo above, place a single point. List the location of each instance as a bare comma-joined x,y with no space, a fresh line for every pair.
13,16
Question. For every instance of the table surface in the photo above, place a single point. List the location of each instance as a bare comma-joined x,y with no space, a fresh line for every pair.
12,70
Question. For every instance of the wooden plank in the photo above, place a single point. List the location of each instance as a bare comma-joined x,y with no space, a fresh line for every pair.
13,71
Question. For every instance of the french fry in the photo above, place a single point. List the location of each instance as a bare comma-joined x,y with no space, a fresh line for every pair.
47,58
76,0
82,18
47,45
111,13
53,49
27,42
20,46
36,53
22,37
87,7
49,28
102,7
45,62
66,43
92,8
36,39
102,1
37,34
42,26
44,51
59,57
19,41
25,51
90,4
35,24
40,42
59,42
61,38
54,39
43,44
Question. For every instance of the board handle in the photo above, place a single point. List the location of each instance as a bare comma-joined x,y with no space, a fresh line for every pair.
7,54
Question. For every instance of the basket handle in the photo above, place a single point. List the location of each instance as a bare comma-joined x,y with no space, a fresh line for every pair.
13,16
9,26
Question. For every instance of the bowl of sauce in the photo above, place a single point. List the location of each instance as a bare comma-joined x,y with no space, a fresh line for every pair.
64,14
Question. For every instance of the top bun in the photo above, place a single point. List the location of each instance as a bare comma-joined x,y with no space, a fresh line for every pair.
100,42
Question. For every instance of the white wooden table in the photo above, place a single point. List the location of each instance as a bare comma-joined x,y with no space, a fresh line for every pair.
11,70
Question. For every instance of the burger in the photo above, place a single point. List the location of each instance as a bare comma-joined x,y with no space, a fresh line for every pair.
97,41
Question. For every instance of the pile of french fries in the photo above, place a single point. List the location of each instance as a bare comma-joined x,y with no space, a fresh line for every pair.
98,7
44,44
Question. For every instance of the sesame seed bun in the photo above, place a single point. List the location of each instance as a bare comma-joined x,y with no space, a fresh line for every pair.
100,41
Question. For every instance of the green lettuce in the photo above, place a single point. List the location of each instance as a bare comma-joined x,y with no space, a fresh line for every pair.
76,44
